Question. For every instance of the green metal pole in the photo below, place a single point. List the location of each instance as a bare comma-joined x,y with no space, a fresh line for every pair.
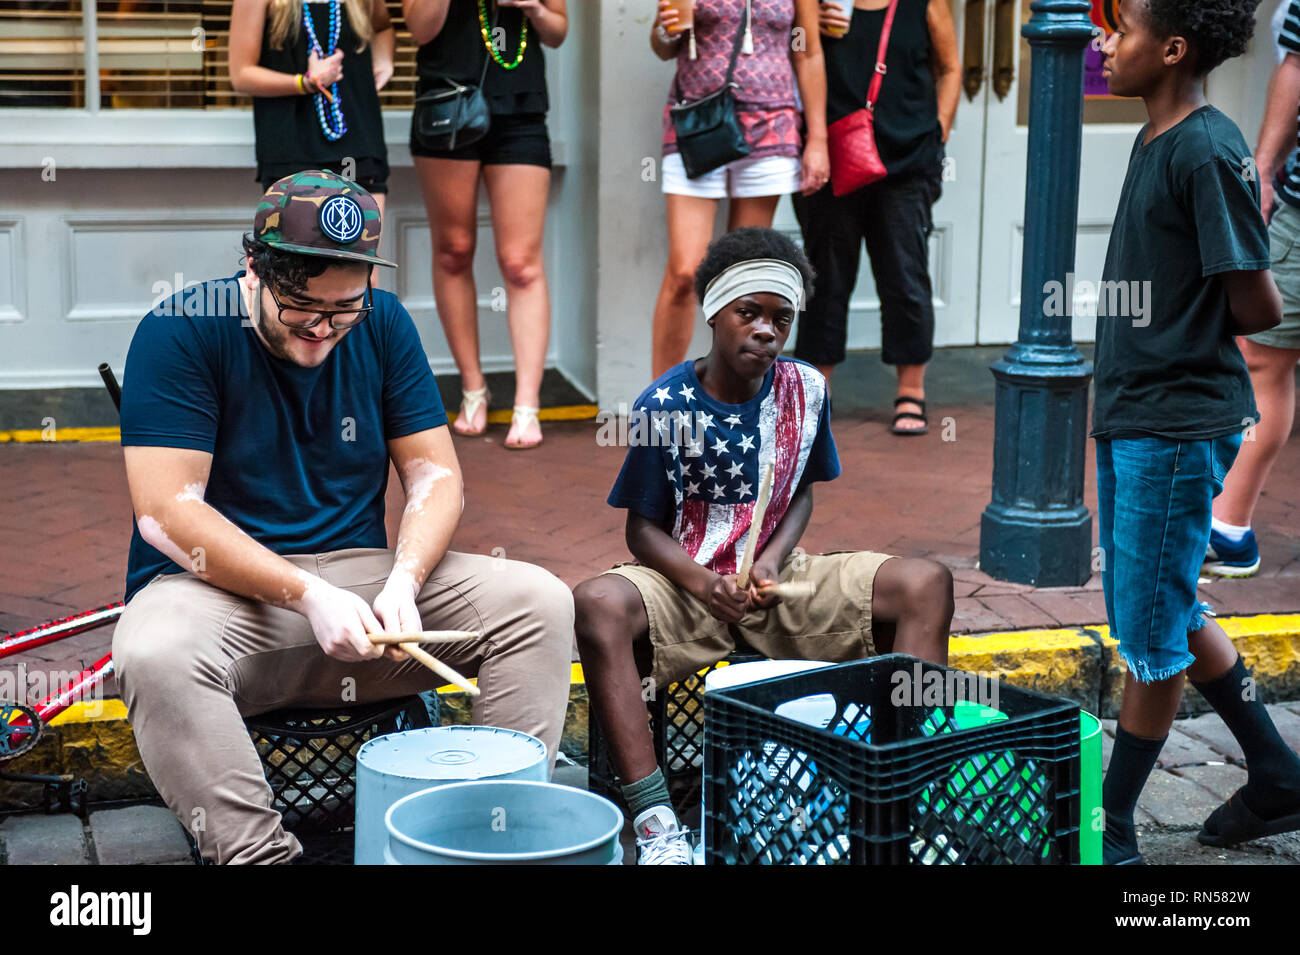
1036,529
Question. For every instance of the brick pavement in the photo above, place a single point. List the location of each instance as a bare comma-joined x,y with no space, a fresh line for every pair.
65,520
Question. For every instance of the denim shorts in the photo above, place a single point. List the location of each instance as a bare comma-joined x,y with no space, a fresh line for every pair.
1153,508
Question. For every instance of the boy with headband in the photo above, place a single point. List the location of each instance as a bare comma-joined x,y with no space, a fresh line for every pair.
705,434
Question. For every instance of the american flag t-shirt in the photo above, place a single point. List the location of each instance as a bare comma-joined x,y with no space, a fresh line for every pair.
704,460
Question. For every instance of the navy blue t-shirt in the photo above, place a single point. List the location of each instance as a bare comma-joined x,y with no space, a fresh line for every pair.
299,460
700,463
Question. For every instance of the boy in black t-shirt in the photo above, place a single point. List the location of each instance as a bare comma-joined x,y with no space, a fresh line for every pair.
1186,270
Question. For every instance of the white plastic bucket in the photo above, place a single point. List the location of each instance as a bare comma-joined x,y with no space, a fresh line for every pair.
512,822
398,764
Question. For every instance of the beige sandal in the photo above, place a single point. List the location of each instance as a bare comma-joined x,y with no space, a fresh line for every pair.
521,418
470,403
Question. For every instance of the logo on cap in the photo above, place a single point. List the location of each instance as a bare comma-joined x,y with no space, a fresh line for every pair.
340,218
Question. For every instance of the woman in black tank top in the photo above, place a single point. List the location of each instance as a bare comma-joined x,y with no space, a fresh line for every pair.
918,101
500,41
273,59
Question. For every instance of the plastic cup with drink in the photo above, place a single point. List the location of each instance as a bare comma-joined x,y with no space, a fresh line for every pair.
845,10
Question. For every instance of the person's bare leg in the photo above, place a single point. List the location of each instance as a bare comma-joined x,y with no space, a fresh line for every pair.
751,211
518,195
1272,374
450,188
690,229
610,626
911,384
379,201
915,596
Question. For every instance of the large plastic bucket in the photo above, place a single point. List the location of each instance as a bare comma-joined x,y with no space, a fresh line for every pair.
1090,817
398,764
503,823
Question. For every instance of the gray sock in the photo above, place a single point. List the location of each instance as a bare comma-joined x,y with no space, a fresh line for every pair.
644,793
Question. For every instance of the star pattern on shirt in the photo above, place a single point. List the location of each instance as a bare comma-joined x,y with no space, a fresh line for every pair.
692,488
746,443
733,420
708,470
735,469
662,395
706,421
687,393
718,492
744,490
720,447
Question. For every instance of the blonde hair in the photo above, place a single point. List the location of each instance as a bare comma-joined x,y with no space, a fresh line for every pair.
284,21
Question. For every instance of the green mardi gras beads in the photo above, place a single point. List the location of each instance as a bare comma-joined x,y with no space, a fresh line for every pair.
491,47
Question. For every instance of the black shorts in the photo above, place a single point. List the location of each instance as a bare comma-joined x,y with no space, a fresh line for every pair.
513,138
370,174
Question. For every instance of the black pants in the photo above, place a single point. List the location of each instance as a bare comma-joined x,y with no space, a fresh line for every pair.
893,217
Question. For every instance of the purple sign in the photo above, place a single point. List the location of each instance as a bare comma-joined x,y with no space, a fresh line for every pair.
1094,84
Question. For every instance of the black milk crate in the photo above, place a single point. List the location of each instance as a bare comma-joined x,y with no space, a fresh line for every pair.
890,781
309,757
676,717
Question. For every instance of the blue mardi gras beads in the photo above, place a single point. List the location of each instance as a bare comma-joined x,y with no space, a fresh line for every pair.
331,124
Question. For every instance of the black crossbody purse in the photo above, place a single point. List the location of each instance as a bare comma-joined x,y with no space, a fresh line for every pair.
453,115
708,133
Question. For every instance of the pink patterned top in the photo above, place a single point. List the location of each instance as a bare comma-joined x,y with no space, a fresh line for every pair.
767,101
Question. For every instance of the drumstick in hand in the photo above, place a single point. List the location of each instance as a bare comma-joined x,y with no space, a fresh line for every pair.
755,528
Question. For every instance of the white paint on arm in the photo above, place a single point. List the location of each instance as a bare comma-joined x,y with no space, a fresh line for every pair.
420,476
154,535
192,492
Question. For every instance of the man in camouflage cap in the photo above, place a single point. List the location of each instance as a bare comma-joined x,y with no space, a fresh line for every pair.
259,419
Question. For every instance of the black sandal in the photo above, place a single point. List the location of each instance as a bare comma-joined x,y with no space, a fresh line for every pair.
910,416
1233,822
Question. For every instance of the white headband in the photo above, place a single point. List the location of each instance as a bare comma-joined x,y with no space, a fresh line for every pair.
754,275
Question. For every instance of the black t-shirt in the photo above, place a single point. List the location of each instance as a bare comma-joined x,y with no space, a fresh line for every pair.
908,134
288,129
1166,363
458,52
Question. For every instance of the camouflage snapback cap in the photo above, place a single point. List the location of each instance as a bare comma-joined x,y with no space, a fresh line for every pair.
320,213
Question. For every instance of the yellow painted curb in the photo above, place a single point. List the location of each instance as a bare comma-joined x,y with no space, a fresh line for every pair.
562,413
65,435
61,435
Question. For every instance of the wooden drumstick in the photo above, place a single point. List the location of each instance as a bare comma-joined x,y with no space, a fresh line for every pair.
440,668
755,528
791,588
426,636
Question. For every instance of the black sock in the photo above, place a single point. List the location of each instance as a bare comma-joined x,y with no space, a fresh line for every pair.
1273,786
1131,762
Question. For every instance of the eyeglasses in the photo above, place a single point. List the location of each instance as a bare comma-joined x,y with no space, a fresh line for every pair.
309,318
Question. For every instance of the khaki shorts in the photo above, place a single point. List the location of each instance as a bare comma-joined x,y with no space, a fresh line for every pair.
1284,242
832,625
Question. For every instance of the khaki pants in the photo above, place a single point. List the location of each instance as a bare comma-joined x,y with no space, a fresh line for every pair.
192,660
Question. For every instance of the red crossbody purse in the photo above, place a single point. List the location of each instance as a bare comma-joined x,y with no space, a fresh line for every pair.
855,162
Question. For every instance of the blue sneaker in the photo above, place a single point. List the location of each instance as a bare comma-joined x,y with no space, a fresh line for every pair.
1226,559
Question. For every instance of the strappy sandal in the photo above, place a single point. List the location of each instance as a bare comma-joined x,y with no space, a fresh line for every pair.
909,416
520,419
470,402
1233,823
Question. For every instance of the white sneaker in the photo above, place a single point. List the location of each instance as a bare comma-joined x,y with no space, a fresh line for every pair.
660,840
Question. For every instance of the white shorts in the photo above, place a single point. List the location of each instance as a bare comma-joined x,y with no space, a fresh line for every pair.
765,176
